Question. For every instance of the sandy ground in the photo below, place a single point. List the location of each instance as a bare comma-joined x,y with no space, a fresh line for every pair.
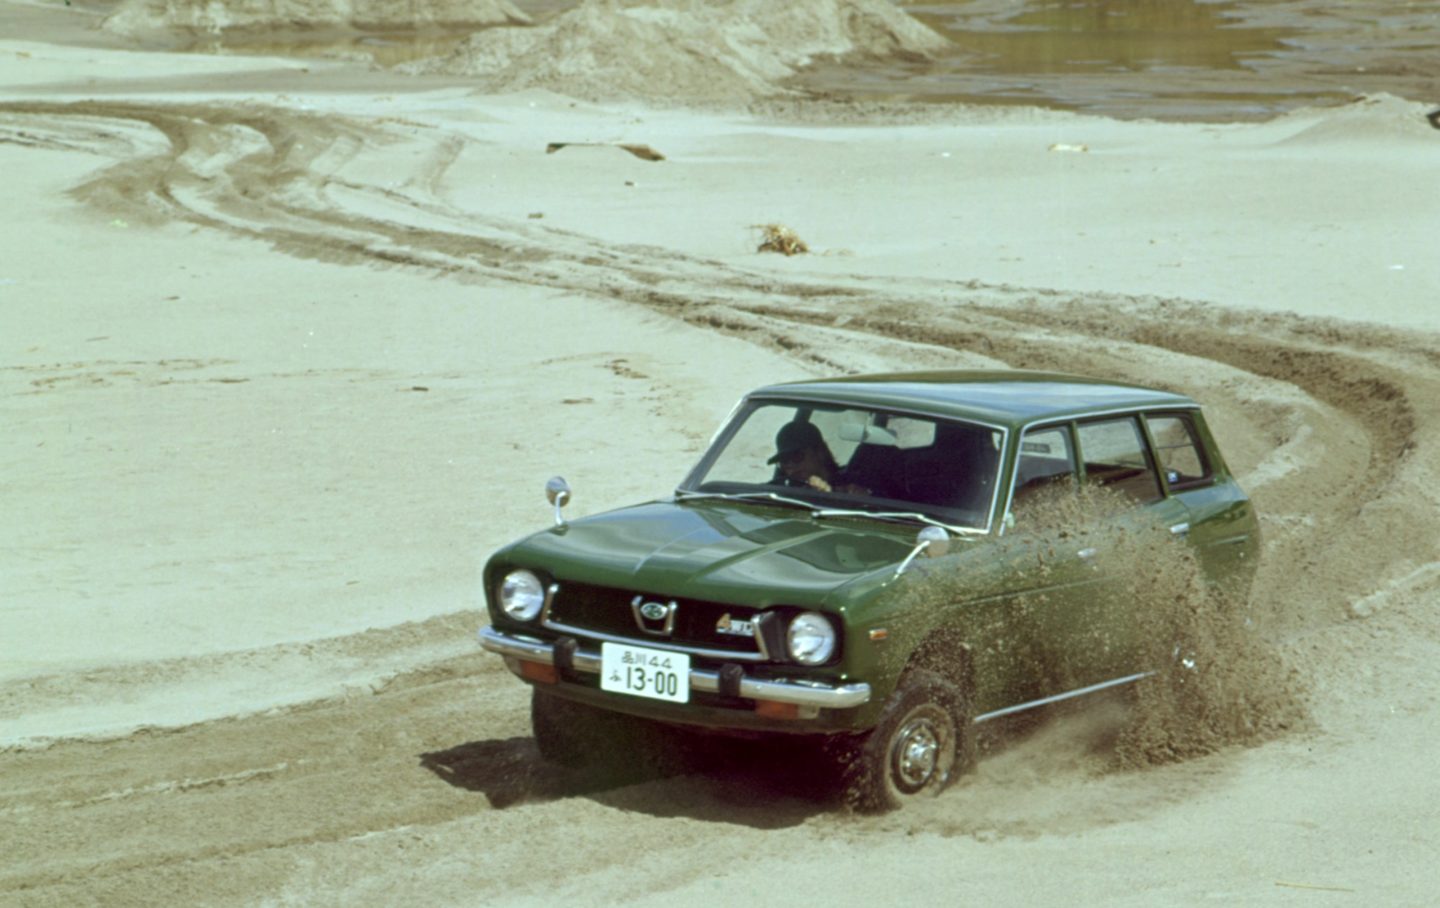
287,347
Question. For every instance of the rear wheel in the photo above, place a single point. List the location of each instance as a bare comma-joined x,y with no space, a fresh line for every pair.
921,743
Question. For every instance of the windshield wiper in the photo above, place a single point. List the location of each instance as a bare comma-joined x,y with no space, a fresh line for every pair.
894,515
747,496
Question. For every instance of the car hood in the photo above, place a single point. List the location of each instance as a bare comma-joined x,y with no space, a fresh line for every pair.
745,553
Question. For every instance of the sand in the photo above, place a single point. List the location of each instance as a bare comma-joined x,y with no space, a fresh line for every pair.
150,18
288,346
684,50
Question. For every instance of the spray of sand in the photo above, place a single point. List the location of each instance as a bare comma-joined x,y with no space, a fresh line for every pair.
1218,678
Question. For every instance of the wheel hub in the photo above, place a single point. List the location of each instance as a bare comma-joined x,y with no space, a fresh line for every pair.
916,754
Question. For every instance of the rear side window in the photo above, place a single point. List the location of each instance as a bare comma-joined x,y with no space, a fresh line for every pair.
1179,451
1115,456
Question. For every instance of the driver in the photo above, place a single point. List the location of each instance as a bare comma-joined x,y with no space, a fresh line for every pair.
805,460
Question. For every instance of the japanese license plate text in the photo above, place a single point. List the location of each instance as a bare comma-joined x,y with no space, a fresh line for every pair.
643,672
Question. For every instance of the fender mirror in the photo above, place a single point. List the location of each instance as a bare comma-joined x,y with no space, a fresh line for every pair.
557,492
931,540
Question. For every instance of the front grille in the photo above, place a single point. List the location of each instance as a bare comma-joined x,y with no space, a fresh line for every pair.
606,610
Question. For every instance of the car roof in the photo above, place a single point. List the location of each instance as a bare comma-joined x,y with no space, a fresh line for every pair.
1008,398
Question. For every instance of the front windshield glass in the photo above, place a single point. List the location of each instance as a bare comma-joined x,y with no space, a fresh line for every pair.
856,458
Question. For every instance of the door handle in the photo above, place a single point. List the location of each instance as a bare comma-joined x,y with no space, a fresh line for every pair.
1180,529
1086,554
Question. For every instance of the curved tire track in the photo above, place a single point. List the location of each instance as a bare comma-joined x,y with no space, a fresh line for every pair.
1356,409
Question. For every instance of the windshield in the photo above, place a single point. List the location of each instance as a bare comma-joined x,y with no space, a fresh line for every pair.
852,458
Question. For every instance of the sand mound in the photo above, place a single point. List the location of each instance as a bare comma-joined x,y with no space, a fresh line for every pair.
147,17
685,50
1372,119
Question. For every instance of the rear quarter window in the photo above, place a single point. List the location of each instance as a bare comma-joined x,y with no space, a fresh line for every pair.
1178,449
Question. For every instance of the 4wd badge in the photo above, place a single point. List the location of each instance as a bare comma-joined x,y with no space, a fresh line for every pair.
734,627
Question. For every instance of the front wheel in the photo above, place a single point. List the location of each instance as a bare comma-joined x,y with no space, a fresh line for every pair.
921,743
614,745
566,733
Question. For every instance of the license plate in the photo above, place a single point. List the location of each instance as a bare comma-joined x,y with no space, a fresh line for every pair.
644,672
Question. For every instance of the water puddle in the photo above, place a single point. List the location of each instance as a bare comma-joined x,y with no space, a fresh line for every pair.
1170,59
1164,59
1087,36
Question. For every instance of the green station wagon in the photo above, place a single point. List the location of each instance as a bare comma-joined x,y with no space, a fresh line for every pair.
849,559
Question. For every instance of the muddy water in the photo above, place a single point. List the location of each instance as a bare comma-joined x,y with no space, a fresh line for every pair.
1163,59
1081,36
1157,57
1166,59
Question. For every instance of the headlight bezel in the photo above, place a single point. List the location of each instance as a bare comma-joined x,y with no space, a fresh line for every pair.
815,625
521,581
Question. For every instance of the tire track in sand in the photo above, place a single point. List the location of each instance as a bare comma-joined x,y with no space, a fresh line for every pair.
1351,403
234,807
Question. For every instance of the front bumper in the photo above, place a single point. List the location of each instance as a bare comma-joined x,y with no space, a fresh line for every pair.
811,694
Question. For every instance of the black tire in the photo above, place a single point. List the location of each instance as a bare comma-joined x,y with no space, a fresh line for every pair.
922,742
564,731
579,736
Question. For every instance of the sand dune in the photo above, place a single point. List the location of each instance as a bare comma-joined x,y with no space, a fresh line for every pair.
684,50
139,18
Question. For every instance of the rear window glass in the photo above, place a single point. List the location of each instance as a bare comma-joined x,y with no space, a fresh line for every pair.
1178,450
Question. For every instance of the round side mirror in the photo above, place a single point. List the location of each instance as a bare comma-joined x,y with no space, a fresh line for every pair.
935,540
931,540
557,492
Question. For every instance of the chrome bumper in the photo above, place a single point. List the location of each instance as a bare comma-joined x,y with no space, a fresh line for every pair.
801,693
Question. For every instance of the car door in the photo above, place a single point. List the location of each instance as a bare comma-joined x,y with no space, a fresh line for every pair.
1044,579
1137,515
1220,521
1068,619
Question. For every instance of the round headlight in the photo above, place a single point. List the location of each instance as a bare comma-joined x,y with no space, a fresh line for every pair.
811,638
521,595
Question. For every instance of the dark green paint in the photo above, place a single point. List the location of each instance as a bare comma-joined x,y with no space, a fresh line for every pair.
1015,617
